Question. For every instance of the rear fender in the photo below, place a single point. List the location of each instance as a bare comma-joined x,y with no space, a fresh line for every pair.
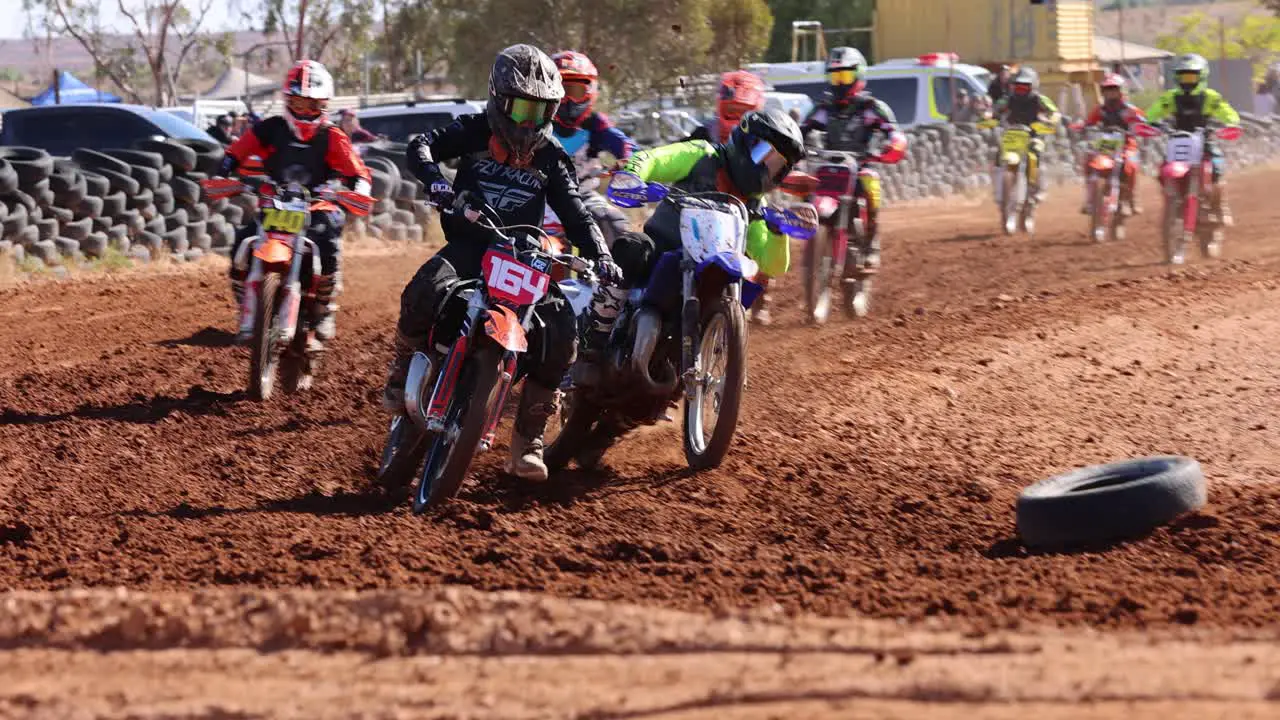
826,205
1011,159
504,327
1102,163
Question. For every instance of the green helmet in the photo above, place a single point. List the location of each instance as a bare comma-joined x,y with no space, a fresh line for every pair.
1187,64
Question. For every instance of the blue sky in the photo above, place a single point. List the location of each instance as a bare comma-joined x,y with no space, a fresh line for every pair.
219,18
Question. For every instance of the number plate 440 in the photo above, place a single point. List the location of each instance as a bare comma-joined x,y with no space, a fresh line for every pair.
511,280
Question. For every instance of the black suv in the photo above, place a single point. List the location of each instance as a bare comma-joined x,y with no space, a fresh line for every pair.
63,129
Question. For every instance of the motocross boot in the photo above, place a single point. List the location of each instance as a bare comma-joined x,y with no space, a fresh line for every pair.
1218,195
537,403
871,252
323,319
605,307
760,314
393,392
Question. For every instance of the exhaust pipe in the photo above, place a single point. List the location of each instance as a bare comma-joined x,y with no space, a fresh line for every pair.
648,326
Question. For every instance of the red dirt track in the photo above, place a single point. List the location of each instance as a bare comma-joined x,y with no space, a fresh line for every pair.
874,472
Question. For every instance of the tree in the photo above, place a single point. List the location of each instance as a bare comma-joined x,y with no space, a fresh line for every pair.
833,14
740,31
1256,38
419,26
338,33
164,35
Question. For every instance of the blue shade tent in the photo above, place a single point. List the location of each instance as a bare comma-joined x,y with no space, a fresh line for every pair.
72,91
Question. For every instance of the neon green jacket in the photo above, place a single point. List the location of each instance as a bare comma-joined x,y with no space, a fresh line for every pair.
695,166
1214,107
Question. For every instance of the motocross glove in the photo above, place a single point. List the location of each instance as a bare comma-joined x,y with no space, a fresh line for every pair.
608,272
441,194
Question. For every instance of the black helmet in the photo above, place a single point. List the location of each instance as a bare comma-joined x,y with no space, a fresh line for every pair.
524,92
764,147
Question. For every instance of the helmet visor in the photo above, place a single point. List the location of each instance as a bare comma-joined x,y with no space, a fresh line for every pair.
732,112
305,108
523,111
842,77
772,164
575,90
1189,77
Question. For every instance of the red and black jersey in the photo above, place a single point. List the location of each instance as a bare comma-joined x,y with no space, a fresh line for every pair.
326,156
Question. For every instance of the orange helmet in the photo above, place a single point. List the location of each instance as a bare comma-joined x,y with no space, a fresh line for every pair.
581,87
740,93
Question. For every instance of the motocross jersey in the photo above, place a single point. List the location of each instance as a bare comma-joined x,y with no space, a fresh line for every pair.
851,126
1191,110
518,194
1120,117
699,166
596,135
1025,109
326,156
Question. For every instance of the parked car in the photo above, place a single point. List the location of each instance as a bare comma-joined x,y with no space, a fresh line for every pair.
401,121
62,129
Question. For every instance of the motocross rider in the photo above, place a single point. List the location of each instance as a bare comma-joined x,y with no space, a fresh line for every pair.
301,143
586,134
764,147
1117,113
851,118
740,93
1192,105
507,159
1025,105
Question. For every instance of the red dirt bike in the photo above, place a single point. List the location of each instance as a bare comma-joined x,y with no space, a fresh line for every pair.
827,255
276,305
455,392
1107,162
1185,175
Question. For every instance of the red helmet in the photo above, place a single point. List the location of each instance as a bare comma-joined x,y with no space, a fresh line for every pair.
581,87
307,89
740,93
1112,81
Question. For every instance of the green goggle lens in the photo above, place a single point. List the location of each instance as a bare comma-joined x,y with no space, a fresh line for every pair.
524,110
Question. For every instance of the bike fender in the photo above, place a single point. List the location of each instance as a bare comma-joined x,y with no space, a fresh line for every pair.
735,265
272,251
324,206
505,329
1174,171
1012,159
664,281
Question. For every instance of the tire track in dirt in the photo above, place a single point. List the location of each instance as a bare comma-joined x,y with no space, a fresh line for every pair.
874,473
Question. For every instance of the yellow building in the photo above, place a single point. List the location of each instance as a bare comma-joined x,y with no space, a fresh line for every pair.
1055,38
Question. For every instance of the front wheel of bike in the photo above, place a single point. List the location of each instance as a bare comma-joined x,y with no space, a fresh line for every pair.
717,395
817,277
1171,226
262,352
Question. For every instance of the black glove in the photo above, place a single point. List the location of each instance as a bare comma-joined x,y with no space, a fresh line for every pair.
441,194
608,272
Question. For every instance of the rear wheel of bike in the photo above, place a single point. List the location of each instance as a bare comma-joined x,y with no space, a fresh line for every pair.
1009,208
817,277
857,295
402,456
1172,226
569,431
1211,237
262,355
454,448
722,360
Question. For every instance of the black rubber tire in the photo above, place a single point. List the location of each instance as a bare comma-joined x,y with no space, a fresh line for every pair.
95,246
198,212
44,197
200,240
89,207
47,229
15,222
185,192
1104,503
148,178
717,446
46,251
23,199
176,219
118,237
388,166
262,358
96,185
155,226
120,182
8,177
70,183
163,198
408,191
381,185
234,214
95,161
31,164
67,247
166,173
384,207
152,242
60,214
195,176
142,199
77,229
114,204
132,218
138,158
181,157
176,240
101,223
208,155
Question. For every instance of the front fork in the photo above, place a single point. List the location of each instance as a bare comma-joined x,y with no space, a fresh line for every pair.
286,321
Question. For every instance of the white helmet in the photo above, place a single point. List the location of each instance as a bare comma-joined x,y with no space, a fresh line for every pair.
308,87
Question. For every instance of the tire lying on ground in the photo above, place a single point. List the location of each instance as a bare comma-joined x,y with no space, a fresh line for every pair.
1109,502
94,246
139,158
67,247
120,182
15,221
155,226
142,199
208,154
163,198
68,186
148,178
199,211
176,240
381,184
114,204
89,207
46,251
20,198
150,241
31,164
181,157
47,229
61,214
95,185
118,237
176,219
29,234
234,214
76,229
185,191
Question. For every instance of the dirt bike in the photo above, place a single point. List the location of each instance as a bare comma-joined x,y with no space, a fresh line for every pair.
455,392
1106,180
683,334
835,181
284,260
1017,208
1186,174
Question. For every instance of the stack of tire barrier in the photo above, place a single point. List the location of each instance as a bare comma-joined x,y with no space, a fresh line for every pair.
145,201
399,214
948,160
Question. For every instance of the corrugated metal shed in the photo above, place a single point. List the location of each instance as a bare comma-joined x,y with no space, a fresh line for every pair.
1110,50
1056,37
